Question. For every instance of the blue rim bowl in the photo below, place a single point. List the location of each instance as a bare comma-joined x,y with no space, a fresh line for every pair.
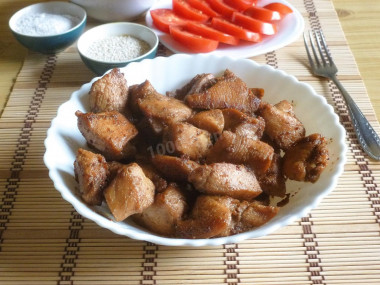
115,29
50,43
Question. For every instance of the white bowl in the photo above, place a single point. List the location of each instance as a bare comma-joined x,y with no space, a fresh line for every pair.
115,10
168,73
141,32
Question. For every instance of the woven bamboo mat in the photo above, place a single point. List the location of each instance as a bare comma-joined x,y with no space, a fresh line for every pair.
43,240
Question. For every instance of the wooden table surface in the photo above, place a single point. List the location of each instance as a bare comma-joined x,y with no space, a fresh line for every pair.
360,21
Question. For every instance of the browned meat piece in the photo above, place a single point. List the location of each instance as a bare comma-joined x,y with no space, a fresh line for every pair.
197,84
159,109
210,120
160,183
150,172
272,182
209,218
91,172
243,124
185,139
228,92
130,192
216,216
113,168
168,207
138,91
306,160
258,92
108,132
244,215
241,150
109,93
281,124
227,179
174,168
256,215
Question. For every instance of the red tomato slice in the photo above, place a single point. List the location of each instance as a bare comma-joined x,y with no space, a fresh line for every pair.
279,7
163,18
240,5
262,14
203,6
183,9
220,7
253,25
235,30
191,41
210,33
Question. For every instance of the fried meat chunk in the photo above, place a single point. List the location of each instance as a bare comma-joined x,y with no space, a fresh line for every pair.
229,91
272,182
130,192
281,124
306,160
91,171
256,215
186,140
197,84
209,218
174,168
241,150
227,179
150,172
217,216
243,124
209,120
158,109
168,207
108,132
109,93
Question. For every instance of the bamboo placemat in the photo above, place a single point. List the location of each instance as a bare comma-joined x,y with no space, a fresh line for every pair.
43,240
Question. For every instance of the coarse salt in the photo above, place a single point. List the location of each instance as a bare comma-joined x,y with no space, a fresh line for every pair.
45,24
117,48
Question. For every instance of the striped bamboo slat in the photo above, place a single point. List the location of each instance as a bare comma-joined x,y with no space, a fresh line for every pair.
43,240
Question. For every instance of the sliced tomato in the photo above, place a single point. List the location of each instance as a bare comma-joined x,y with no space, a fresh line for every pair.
235,30
203,6
163,18
211,33
222,8
253,24
191,41
279,7
240,5
262,14
183,9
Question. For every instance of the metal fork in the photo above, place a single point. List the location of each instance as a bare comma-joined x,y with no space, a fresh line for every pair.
324,66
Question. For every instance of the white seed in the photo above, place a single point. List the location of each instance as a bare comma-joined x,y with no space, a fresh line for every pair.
117,48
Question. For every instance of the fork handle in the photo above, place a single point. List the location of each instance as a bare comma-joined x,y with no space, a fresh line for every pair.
367,136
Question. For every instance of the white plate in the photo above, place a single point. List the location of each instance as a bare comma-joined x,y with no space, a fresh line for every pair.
289,30
168,73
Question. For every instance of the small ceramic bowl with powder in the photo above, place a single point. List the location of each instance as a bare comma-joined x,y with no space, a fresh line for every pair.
116,45
48,27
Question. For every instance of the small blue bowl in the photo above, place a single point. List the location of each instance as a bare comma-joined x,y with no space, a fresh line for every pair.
138,31
54,42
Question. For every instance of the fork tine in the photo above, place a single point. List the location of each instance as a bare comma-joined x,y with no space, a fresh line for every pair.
308,53
323,40
313,49
318,40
